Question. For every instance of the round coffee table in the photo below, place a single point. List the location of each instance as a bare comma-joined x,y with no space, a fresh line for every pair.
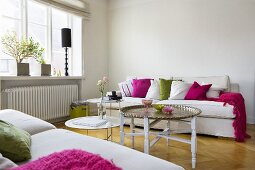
111,122
180,112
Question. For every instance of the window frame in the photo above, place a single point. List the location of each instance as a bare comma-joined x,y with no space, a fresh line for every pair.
48,49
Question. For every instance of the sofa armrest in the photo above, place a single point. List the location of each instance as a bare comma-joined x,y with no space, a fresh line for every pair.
26,122
234,87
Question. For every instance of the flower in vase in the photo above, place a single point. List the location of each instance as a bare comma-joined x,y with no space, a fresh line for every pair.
167,109
105,79
99,83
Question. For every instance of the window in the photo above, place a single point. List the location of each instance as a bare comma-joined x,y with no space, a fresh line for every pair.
32,19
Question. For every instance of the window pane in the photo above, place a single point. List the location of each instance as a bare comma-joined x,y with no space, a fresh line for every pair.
56,40
37,13
11,8
59,19
39,33
37,23
10,20
10,25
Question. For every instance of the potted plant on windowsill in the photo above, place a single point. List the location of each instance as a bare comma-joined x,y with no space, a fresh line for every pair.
45,68
21,50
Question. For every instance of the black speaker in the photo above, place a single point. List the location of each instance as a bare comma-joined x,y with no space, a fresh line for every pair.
66,37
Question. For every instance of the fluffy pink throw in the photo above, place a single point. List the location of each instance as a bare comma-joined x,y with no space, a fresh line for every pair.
69,160
239,124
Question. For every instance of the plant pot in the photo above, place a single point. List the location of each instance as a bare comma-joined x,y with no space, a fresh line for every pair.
35,69
45,70
23,69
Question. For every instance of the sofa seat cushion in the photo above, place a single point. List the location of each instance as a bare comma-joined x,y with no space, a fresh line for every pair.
56,140
209,108
26,122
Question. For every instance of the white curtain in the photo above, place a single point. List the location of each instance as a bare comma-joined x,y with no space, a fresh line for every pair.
76,7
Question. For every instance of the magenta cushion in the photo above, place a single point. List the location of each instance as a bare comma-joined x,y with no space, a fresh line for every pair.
197,92
70,160
140,87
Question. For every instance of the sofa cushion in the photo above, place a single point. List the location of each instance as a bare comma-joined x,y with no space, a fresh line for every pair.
126,88
164,88
140,87
153,92
6,163
44,144
14,142
197,92
179,89
26,122
209,108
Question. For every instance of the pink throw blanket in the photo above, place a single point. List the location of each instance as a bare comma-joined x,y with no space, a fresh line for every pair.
239,124
69,160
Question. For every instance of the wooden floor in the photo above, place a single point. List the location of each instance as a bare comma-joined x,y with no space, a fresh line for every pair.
213,153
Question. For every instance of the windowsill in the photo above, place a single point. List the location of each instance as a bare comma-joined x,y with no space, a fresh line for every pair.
42,77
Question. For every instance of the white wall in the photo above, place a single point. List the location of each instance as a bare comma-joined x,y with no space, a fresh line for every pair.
184,38
95,47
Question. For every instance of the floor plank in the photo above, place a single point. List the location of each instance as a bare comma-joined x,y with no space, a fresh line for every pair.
213,153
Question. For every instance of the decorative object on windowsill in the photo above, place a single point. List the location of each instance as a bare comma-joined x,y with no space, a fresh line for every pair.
101,87
66,42
21,50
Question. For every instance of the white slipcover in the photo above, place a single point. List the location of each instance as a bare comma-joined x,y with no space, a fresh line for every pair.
59,139
26,122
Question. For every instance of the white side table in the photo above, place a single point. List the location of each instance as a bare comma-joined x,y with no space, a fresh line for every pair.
111,123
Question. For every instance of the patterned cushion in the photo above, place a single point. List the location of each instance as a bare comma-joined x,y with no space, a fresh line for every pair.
126,88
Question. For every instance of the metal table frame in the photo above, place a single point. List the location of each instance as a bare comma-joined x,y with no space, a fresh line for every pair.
164,134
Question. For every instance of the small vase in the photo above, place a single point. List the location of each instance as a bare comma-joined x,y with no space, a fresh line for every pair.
101,108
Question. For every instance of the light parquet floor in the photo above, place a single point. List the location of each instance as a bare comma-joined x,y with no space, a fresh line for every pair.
213,153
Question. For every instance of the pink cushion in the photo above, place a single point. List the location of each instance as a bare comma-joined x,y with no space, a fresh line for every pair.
70,160
140,87
197,92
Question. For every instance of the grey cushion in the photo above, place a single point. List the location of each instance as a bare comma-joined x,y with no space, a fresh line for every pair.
26,122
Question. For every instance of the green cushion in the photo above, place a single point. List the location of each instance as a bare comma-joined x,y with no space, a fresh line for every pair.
164,88
14,142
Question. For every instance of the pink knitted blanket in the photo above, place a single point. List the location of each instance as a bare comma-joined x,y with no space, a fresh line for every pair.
239,124
69,160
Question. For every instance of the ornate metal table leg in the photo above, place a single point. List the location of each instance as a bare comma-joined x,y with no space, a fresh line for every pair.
146,136
193,142
122,134
132,131
168,132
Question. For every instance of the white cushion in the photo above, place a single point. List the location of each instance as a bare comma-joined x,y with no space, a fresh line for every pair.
126,88
209,108
153,92
6,163
55,140
26,122
179,89
219,81
214,91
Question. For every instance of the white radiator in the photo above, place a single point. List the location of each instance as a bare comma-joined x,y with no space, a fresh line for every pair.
44,102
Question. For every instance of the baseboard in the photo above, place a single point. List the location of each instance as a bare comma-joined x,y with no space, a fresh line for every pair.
250,120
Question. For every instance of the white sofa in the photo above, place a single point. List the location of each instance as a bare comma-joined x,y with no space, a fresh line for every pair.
47,139
215,118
